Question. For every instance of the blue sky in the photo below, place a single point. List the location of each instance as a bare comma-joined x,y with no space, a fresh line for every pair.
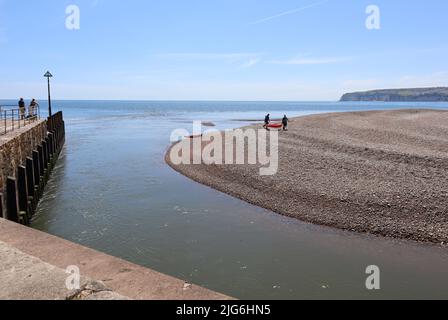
220,49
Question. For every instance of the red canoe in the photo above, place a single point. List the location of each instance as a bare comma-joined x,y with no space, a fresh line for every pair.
275,125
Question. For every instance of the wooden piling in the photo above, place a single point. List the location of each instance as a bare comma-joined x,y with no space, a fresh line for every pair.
22,195
51,143
36,167
1,205
41,170
32,199
46,162
47,140
45,154
57,140
12,211
22,188
41,161
50,155
30,176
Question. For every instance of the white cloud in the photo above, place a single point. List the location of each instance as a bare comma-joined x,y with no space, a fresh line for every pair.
245,60
312,61
285,13
252,62
251,59
208,56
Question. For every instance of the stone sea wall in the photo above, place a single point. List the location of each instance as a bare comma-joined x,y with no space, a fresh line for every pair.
15,150
27,158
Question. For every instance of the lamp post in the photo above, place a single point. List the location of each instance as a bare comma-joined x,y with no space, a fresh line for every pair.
48,75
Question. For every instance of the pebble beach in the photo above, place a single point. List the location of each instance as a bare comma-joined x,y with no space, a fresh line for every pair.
378,172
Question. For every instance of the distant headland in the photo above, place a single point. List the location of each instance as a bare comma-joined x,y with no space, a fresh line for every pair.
400,95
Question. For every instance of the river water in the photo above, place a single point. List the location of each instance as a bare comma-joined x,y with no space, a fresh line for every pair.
112,191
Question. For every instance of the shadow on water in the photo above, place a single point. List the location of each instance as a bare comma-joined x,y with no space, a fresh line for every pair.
112,191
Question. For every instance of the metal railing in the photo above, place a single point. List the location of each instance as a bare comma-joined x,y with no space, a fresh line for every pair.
13,118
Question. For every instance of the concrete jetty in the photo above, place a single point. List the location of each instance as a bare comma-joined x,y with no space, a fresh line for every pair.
33,264
26,277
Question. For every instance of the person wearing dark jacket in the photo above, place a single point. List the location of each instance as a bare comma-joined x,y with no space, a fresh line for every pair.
22,109
267,121
285,122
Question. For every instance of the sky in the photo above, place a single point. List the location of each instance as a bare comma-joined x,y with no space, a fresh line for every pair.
293,50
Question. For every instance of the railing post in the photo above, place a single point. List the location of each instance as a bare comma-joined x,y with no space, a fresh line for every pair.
13,119
11,200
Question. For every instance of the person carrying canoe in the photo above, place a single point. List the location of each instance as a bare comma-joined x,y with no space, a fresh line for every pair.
285,122
267,121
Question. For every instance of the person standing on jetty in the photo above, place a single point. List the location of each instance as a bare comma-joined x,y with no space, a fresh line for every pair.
267,121
32,108
285,122
22,108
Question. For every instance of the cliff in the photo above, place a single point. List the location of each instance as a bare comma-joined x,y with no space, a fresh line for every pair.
400,95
